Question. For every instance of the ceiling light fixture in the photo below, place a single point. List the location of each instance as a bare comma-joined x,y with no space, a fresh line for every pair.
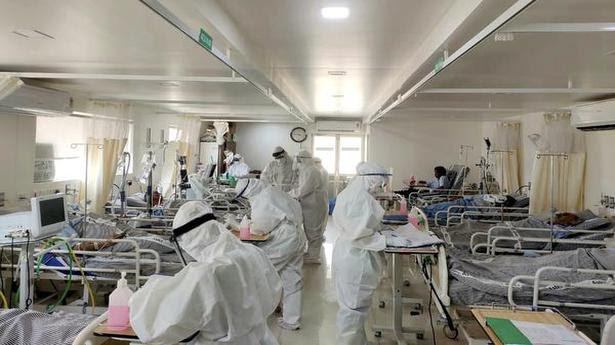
337,73
169,84
337,96
334,12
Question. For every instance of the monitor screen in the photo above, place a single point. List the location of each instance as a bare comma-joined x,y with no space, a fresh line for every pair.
52,211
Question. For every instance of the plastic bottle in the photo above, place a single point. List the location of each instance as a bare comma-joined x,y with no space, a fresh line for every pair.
244,229
119,308
403,207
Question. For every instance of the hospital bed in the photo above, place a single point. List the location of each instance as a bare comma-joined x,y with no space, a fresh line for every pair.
456,174
522,237
461,279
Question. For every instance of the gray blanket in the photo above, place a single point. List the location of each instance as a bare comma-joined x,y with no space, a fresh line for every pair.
21,327
481,279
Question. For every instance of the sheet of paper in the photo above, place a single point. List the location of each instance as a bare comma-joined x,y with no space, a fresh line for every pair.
410,237
546,334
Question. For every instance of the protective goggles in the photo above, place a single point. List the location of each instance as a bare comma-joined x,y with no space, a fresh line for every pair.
278,154
193,224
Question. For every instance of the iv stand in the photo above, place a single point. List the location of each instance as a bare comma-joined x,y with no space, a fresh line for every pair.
85,203
509,152
552,157
149,196
463,149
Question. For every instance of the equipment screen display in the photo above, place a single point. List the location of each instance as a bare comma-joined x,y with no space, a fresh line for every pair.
52,211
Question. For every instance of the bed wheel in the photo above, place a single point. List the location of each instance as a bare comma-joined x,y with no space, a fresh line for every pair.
420,336
406,283
381,304
450,333
378,334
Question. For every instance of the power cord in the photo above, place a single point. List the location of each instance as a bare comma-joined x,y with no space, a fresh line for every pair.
433,332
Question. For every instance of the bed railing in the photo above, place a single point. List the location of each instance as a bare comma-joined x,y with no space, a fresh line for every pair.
537,282
455,215
493,242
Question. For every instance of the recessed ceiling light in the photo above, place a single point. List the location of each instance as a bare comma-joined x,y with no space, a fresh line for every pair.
337,96
27,33
169,84
337,73
334,12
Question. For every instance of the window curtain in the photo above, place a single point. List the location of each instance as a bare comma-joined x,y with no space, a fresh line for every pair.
507,138
106,136
189,128
568,174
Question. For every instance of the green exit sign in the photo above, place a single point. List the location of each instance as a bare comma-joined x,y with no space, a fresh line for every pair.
205,40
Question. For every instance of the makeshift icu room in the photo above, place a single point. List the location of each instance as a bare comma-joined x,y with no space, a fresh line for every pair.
307,172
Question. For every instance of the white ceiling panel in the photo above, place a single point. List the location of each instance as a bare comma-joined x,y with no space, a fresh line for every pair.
535,71
371,46
101,45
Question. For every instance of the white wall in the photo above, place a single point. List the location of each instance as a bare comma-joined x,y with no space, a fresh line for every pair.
414,147
256,141
17,137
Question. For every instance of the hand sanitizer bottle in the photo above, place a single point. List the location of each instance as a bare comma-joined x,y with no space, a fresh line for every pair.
119,310
244,229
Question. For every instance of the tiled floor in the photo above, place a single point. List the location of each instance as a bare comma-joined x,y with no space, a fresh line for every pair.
320,308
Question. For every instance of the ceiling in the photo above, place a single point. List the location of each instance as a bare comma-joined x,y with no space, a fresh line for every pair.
298,48
551,63
272,58
121,50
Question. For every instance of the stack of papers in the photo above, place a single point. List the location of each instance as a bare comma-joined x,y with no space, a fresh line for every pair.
408,236
533,333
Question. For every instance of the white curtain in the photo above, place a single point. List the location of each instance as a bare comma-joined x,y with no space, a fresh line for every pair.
189,128
506,146
106,135
568,173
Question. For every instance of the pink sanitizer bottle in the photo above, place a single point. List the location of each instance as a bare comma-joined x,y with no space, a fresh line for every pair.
119,309
244,229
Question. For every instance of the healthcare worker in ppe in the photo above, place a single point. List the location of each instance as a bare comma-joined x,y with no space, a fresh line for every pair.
325,184
279,172
310,196
356,259
224,297
238,167
274,212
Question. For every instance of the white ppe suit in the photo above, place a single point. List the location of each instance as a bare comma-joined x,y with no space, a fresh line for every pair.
225,296
310,196
325,184
279,172
274,212
356,259
238,167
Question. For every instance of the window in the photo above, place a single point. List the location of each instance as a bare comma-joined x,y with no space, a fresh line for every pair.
55,160
129,148
174,133
340,154
325,149
350,154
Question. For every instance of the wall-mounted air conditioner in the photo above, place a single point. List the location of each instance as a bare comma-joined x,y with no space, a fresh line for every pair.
599,116
18,97
338,126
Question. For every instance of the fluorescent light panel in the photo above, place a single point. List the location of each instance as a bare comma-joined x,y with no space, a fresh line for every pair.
334,12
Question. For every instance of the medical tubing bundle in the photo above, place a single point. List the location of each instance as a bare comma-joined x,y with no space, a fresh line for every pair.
72,258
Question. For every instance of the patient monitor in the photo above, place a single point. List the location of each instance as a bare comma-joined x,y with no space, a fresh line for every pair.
47,217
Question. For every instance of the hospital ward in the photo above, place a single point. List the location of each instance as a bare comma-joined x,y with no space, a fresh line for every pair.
307,172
